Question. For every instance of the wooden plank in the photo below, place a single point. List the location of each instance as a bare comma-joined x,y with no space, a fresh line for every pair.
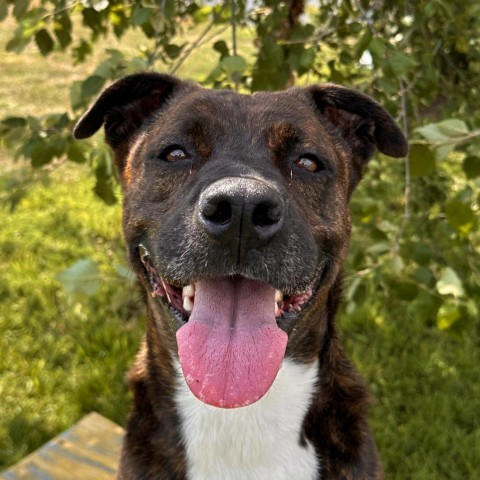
87,451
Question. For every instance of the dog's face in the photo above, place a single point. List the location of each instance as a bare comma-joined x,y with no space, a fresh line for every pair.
236,212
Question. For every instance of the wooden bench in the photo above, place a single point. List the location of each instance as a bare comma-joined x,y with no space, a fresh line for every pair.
87,451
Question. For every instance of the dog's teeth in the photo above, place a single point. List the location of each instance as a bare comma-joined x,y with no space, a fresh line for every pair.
278,296
277,310
188,291
144,254
187,304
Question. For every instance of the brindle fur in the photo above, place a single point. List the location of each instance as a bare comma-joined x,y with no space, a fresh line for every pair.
236,135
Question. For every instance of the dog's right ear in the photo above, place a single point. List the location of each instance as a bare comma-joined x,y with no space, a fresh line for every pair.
125,106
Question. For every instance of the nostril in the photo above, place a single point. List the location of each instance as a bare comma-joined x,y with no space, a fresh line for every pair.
265,215
219,213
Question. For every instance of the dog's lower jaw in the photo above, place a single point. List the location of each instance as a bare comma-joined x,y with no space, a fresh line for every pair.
260,441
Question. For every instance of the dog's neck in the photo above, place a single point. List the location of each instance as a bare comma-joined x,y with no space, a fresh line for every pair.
262,440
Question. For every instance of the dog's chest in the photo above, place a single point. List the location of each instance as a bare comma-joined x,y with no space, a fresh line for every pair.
257,442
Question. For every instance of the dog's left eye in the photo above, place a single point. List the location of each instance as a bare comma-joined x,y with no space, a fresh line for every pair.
174,154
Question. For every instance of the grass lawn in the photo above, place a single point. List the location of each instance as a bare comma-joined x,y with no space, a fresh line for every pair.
61,357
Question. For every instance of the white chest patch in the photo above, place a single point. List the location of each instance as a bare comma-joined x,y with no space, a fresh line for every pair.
257,442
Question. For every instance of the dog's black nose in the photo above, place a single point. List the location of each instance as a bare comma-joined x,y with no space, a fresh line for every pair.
241,213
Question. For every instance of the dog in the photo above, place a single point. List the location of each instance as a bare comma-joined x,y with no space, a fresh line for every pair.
237,224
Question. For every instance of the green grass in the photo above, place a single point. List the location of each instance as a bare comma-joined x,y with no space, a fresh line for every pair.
426,418
62,357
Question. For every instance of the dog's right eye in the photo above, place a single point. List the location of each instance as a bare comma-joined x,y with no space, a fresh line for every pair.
311,163
174,154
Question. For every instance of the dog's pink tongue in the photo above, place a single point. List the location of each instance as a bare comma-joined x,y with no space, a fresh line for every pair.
231,348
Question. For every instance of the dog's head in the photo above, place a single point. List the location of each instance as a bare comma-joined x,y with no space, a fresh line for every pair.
236,212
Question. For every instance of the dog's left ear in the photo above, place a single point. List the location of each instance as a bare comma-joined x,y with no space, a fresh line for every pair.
125,106
361,121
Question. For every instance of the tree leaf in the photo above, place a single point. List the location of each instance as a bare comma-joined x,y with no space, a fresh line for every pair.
63,30
41,153
432,133
405,290
471,167
83,277
140,15
448,314
76,152
91,86
44,42
20,8
401,63
453,127
422,160
450,284
234,64
13,122
460,216
221,47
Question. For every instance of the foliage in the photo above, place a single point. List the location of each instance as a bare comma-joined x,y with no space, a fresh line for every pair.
379,48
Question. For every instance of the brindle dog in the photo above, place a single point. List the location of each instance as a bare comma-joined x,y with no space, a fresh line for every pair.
237,225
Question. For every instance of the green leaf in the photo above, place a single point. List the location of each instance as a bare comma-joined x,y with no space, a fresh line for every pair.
82,51
362,44
41,153
450,283
453,127
44,42
91,86
234,64
93,20
221,47
75,152
77,100
63,30
421,253
13,122
20,8
140,15
398,264
450,131
405,290
58,146
401,64
471,167
460,216
17,44
104,174
172,50
379,248
432,133
424,276
422,160
378,48
448,314
81,278
168,9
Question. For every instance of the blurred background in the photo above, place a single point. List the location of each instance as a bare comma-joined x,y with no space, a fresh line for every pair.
71,316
